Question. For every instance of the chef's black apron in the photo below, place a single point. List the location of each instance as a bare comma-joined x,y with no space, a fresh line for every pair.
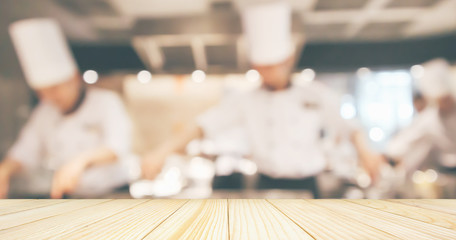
310,184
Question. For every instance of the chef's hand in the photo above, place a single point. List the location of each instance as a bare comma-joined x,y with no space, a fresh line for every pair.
4,185
152,163
66,179
8,167
373,164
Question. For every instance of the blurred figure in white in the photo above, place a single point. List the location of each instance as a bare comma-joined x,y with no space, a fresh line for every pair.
434,128
283,121
77,140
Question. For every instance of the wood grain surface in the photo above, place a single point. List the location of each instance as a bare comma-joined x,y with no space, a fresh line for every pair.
228,219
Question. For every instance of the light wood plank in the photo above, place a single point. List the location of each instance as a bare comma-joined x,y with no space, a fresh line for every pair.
421,214
323,223
56,225
227,219
444,206
10,202
41,212
27,205
197,219
399,226
7,203
133,223
258,219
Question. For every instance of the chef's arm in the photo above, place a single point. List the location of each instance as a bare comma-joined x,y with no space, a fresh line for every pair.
332,119
226,114
8,167
370,160
67,177
154,160
410,147
97,157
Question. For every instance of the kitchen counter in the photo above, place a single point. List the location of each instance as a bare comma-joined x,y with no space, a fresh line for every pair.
227,219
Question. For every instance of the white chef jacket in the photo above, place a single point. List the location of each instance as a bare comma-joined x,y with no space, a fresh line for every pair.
51,139
283,127
427,131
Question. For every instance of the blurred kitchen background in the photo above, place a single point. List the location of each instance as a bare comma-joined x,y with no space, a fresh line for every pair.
170,60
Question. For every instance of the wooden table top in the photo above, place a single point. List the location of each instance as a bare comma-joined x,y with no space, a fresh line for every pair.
227,219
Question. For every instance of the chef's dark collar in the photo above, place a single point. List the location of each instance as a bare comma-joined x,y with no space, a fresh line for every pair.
81,97
267,88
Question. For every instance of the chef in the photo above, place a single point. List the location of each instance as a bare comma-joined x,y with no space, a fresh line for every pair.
435,127
283,122
77,140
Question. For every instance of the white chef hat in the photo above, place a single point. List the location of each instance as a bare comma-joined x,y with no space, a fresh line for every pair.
435,80
42,51
267,27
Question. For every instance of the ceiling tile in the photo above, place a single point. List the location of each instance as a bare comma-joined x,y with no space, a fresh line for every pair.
88,7
412,3
381,31
160,8
339,4
327,32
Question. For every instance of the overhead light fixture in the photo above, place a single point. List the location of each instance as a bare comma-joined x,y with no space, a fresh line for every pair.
144,76
90,76
363,72
348,110
198,76
308,74
417,71
376,134
252,75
